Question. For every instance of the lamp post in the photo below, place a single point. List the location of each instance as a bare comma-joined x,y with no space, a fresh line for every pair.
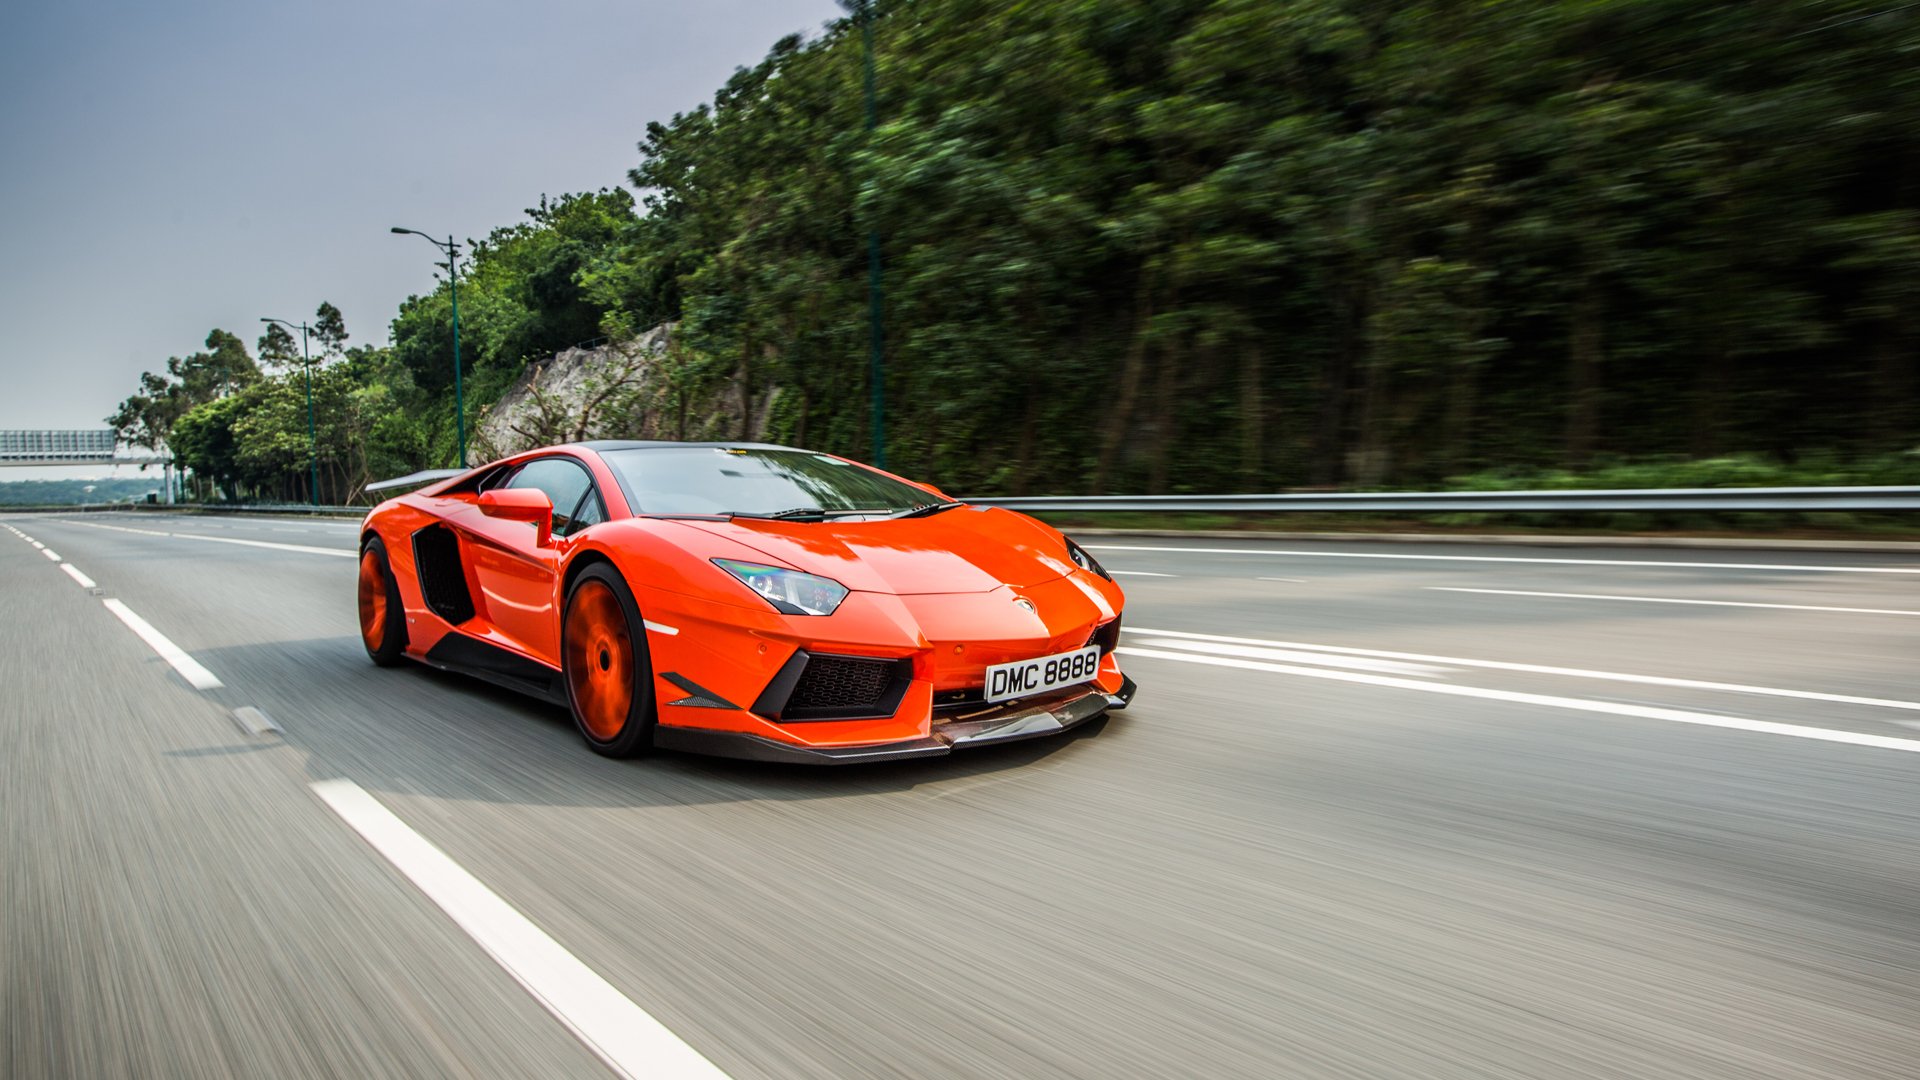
452,251
313,441
876,337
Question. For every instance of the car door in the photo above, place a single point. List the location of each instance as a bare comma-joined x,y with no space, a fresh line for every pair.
516,575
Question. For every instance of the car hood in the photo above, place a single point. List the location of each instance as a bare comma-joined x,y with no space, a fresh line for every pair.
970,549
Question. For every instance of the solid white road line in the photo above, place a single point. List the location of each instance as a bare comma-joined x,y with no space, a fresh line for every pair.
1670,600
1138,573
302,548
1642,712
1291,656
624,1035
1293,580
1543,669
51,554
74,573
187,666
1509,559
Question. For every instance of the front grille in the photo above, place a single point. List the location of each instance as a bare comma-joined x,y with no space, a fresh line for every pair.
839,683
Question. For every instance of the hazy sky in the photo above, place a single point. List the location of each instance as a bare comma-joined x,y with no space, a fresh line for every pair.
169,168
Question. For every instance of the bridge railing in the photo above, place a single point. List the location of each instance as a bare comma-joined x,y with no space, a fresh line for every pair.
1721,500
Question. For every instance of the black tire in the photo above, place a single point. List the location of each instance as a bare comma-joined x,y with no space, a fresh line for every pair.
605,664
383,622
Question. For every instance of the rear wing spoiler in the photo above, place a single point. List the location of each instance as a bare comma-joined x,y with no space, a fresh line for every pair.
425,476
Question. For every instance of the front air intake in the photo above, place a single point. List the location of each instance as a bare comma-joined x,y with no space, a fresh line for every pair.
822,687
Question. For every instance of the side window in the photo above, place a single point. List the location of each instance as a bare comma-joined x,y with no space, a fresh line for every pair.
565,483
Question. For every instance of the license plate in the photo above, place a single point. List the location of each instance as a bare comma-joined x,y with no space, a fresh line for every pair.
1024,677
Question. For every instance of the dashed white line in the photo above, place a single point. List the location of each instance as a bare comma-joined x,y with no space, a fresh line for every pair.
39,545
51,554
1513,559
189,668
74,573
255,722
1671,600
1542,669
1676,716
624,1035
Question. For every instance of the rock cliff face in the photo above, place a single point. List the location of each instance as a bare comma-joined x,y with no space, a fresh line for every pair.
647,387
573,395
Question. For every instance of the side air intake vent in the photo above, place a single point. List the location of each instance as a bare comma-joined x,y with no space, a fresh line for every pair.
818,687
442,580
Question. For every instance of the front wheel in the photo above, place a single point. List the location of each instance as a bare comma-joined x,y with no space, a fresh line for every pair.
603,649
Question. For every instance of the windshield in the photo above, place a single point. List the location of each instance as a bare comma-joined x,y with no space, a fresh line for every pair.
749,481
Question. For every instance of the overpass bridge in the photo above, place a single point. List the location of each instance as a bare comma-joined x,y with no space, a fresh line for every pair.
87,446
91,446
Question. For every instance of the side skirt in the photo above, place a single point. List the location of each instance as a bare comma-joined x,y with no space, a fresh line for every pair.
464,655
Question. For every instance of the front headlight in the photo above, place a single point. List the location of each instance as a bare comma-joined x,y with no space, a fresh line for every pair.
789,591
1085,561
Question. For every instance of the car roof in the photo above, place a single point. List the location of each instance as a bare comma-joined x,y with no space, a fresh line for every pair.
599,445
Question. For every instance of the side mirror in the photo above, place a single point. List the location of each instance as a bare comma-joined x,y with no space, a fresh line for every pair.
521,504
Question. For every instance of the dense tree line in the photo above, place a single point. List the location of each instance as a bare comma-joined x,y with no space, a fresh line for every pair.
1170,245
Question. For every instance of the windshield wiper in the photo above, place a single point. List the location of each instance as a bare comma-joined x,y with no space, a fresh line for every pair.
807,513
928,509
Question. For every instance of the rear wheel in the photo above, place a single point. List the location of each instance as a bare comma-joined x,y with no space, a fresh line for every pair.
382,627
609,675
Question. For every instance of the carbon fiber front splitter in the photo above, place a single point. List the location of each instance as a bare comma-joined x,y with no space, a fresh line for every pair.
1011,724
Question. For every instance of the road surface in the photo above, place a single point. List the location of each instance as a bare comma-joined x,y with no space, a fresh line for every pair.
1379,810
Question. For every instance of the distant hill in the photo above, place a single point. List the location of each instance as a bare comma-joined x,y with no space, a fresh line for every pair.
74,492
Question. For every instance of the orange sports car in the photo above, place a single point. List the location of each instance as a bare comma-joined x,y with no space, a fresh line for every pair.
745,600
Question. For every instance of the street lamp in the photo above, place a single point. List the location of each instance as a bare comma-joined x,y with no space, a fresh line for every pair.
313,442
452,252
876,337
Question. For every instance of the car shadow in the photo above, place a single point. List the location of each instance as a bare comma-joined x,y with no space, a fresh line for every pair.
414,730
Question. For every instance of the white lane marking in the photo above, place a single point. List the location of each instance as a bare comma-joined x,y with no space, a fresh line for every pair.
1510,559
302,548
1676,716
1138,573
74,573
255,722
1671,600
187,666
1544,669
51,554
623,1034
1290,656
659,628
115,528
40,545
1293,580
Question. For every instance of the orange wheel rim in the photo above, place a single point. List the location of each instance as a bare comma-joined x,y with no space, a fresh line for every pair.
373,601
599,660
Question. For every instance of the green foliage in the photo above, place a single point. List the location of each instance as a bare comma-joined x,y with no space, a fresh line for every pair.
1217,245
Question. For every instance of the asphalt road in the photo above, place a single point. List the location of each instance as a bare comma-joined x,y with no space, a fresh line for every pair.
1592,820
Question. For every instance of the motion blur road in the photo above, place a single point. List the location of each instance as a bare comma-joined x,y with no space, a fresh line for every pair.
1379,810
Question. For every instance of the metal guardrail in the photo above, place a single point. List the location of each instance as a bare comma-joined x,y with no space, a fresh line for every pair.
1725,500
1833,499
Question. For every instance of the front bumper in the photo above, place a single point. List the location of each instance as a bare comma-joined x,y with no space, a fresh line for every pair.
1047,715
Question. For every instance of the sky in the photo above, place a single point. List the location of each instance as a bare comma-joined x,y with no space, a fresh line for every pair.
170,168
